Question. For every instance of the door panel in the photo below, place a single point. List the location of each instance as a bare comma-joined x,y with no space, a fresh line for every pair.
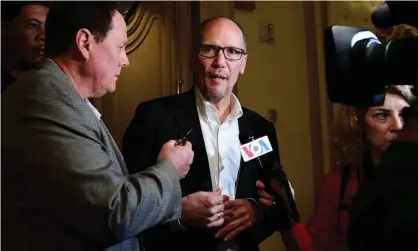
156,62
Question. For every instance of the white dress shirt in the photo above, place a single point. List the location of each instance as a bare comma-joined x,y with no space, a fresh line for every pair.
222,143
223,148
94,110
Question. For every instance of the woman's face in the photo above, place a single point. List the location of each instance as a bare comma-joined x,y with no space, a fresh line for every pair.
383,122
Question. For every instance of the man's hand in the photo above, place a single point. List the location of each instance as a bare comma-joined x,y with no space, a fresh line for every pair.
265,198
180,156
203,209
240,215
285,211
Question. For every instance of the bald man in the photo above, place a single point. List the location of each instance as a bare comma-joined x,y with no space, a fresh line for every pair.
220,209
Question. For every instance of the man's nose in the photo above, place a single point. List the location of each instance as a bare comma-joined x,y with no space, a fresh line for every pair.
41,34
220,59
125,61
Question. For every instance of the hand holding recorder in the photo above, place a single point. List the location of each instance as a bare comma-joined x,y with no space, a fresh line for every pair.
180,153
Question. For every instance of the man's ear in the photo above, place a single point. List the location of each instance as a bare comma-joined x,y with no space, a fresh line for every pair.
85,42
243,64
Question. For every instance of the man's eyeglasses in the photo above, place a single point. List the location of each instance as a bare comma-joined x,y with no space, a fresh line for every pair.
230,53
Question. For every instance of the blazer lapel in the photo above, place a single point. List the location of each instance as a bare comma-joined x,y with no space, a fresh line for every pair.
115,148
187,118
247,170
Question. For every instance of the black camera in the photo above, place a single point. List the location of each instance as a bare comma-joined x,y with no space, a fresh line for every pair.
359,67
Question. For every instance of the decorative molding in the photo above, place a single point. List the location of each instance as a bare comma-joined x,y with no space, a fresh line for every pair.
245,5
314,90
204,10
139,26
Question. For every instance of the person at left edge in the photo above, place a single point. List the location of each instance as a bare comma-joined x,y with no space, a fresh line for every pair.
219,180
22,38
65,185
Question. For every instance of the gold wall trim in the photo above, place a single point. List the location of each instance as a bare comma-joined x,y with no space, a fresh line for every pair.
317,144
139,26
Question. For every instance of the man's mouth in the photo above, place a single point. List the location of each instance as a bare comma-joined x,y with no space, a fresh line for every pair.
217,76
40,50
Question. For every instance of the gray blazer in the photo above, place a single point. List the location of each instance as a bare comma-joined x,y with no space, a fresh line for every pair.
65,185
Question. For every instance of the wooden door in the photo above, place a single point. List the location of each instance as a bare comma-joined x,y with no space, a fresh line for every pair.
159,44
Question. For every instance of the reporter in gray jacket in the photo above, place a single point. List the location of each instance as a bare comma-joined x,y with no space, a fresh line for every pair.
65,185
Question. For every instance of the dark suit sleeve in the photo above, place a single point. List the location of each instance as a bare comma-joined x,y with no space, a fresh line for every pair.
74,177
383,213
138,141
139,146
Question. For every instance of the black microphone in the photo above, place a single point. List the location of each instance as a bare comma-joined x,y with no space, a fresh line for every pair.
277,185
245,138
394,13
281,187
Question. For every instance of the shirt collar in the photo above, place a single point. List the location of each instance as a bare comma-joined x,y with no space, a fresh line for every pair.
95,111
209,111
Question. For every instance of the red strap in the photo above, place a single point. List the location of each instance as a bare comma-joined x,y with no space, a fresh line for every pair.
297,239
